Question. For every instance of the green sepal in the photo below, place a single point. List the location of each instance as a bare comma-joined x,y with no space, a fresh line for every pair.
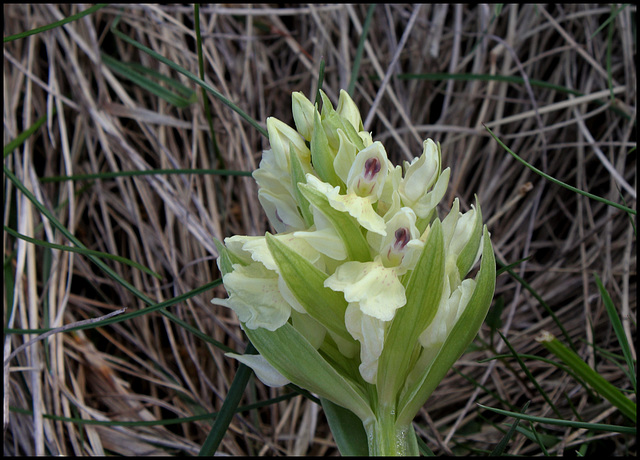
332,121
462,334
292,355
225,258
467,256
297,177
347,430
306,282
423,293
346,226
321,154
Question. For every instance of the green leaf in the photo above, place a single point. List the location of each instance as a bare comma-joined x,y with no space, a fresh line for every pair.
306,282
292,355
462,334
345,225
467,256
321,154
618,329
593,378
423,292
298,177
347,430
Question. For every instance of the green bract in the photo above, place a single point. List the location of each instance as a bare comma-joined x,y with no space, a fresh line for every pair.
361,295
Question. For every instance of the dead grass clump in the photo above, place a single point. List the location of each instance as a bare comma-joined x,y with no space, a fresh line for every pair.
557,89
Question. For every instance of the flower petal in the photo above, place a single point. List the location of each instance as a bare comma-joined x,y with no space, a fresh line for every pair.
369,331
264,371
375,287
255,297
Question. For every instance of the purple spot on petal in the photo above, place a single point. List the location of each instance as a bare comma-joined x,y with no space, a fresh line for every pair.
371,167
402,238
278,216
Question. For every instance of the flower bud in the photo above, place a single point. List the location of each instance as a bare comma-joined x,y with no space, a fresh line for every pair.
368,172
347,109
303,114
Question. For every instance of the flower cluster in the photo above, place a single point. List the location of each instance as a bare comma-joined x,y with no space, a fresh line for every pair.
360,296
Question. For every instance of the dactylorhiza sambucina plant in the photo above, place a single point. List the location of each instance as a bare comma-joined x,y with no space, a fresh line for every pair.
360,296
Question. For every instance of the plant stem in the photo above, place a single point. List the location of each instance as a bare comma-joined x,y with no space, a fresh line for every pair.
386,438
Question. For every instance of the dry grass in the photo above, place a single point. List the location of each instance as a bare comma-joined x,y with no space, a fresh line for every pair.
149,368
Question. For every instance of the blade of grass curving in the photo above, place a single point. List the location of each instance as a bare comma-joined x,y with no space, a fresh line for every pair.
56,330
593,378
619,330
190,76
505,268
53,25
229,407
610,19
556,181
530,376
567,370
543,440
565,423
214,150
153,306
24,135
502,445
61,247
146,172
158,422
129,72
358,56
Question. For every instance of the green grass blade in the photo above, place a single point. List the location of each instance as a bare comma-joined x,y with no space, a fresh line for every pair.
499,449
147,172
597,382
609,19
565,423
556,181
61,247
619,330
53,25
358,57
190,76
131,72
229,407
23,136
159,422
529,375
320,81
